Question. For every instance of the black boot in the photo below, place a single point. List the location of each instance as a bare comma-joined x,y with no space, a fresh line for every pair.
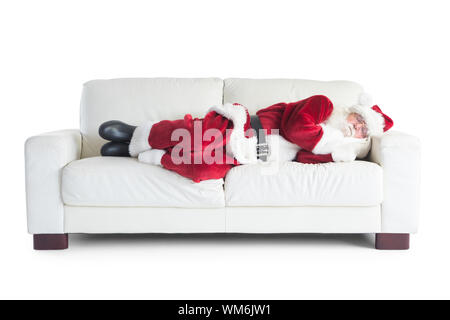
117,131
115,149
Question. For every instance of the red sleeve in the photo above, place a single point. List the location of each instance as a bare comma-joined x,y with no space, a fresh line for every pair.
301,121
304,156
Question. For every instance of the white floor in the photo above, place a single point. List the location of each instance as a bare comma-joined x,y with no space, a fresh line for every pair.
225,267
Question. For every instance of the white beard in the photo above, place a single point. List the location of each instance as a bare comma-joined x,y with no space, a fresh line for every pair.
338,120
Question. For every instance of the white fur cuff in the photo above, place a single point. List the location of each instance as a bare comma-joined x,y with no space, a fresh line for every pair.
344,153
152,156
139,141
331,138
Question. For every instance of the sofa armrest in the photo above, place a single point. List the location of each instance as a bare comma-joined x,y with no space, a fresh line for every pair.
45,156
399,155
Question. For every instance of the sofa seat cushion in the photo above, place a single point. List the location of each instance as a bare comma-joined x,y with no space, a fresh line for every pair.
357,183
125,182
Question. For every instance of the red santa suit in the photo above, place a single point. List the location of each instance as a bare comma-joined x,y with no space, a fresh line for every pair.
183,145
307,131
312,130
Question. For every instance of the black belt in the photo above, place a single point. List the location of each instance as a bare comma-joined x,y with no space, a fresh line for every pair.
262,148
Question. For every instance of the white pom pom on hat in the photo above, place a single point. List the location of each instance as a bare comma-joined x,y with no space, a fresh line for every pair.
365,99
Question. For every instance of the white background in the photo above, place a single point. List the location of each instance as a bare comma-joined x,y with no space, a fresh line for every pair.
399,50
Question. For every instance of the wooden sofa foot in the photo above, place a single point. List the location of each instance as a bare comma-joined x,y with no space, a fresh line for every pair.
51,241
392,241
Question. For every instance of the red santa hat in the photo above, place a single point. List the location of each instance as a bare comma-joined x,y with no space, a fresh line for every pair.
377,122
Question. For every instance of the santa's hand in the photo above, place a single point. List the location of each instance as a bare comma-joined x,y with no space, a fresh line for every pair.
344,153
151,156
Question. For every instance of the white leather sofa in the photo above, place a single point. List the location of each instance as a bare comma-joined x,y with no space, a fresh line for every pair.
72,189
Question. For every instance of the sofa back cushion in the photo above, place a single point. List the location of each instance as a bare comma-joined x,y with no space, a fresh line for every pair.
256,94
136,100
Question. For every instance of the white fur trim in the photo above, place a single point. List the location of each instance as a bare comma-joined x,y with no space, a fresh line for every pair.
373,119
365,99
331,138
344,153
340,147
139,141
360,147
152,156
243,149
280,149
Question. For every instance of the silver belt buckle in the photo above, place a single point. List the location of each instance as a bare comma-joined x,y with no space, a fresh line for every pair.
262,151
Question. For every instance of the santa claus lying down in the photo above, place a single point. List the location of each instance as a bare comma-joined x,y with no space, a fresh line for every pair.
307,131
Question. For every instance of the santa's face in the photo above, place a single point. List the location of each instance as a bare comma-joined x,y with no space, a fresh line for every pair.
355,126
